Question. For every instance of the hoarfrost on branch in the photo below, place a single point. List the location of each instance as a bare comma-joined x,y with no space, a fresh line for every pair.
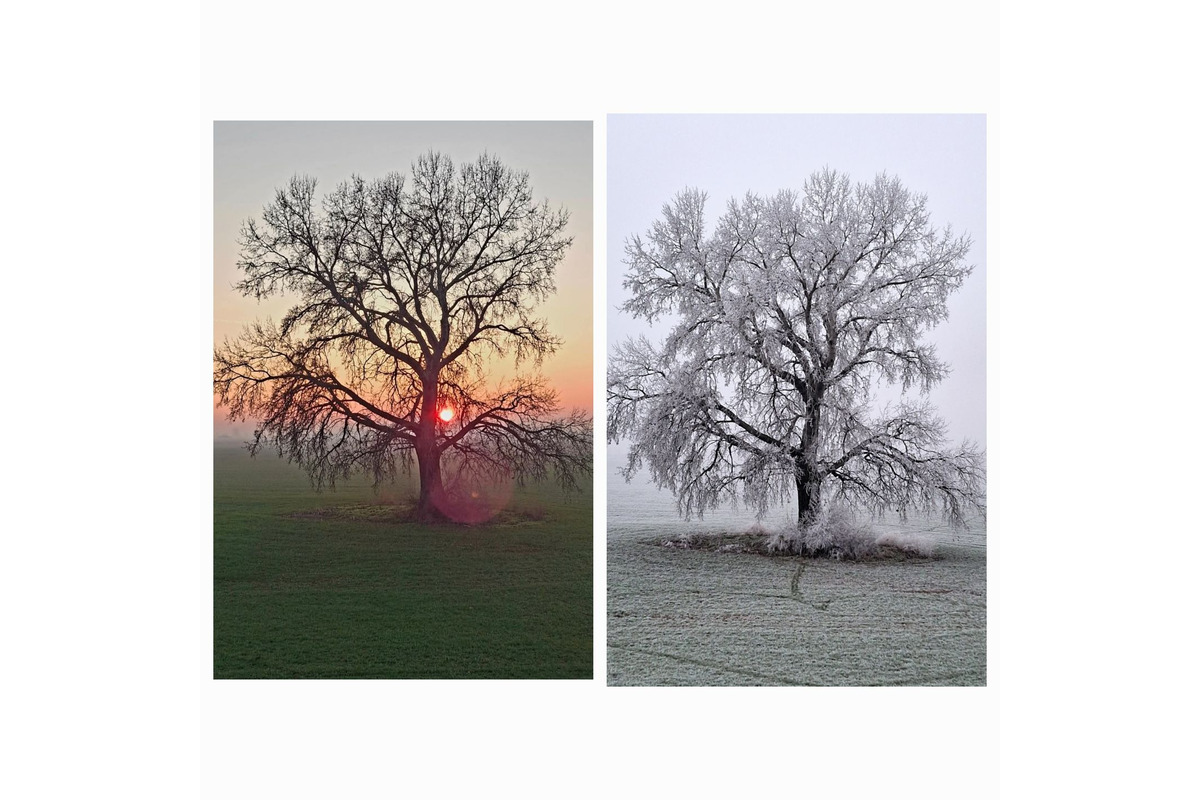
782,321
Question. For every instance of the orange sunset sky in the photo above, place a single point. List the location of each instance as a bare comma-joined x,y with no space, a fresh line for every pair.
252,159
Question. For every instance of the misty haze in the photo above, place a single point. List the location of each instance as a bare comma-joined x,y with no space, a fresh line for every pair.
399,331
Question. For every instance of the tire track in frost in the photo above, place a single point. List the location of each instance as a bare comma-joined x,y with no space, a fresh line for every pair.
710,664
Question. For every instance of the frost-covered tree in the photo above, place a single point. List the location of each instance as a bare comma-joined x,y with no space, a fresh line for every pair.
782,321
405,292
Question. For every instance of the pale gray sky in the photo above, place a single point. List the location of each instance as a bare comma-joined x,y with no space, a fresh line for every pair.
653,157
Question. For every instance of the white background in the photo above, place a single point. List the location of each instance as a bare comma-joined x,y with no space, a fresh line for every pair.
107,592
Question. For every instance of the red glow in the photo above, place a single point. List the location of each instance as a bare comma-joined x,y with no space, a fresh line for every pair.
446,414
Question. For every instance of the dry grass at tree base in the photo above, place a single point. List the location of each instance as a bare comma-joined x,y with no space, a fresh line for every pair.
835,534
763,544
402,512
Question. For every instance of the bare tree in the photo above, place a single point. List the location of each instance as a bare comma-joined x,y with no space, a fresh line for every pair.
783,319
406,293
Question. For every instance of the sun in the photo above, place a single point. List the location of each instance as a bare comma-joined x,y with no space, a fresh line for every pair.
446,414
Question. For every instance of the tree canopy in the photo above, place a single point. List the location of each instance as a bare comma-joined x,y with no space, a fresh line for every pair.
406,292
782,320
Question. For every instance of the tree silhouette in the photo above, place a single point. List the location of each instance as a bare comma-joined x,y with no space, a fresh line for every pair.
407,292
783,319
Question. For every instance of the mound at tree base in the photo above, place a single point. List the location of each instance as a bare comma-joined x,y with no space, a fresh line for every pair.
406,513
763,543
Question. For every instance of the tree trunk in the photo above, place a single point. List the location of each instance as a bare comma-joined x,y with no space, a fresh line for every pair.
808,494
429,460
808,481
429,470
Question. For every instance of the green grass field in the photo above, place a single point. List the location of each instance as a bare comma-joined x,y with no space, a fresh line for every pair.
329,585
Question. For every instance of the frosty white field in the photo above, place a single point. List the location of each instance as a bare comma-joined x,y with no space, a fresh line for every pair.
689,617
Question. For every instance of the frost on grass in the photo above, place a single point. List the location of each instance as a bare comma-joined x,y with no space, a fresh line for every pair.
834,532
831,532
910,543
